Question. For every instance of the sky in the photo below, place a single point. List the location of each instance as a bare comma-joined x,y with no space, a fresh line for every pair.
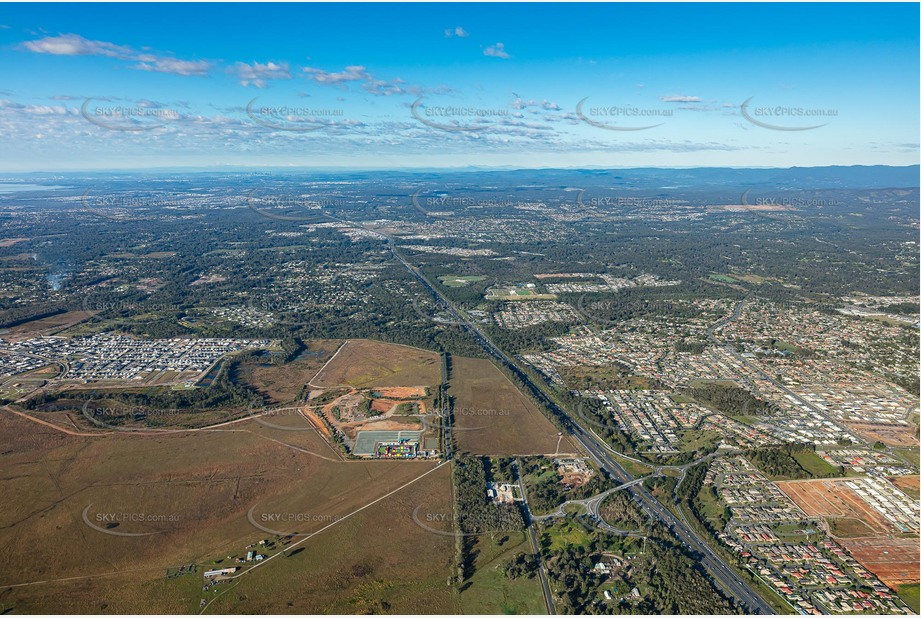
378,86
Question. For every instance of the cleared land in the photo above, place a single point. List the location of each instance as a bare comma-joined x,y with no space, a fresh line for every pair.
887,433
911,484
371,386
190,493
492,417
47,326
894,561
362,363
459,281
820,498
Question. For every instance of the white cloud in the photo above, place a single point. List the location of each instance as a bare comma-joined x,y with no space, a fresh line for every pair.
198,68
76,45
458,32
370,83
258,75
496,51
349,74
681,98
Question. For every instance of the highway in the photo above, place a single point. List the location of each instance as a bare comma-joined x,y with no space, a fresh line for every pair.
532,534
722,574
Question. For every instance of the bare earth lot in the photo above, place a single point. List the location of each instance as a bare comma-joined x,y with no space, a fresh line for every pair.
826,498
858,527
894,561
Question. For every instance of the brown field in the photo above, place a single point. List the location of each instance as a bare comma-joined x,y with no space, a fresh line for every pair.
894,561
378,561
828,498
47,326
911,484
363,363
402,392
9,242
283,383
193,491
492,417
887,433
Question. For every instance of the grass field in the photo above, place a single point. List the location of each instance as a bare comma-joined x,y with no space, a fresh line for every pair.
696,439
609,378
191,493
459,281
492,417
364,363
910,454
517,293
563,533
634,468
724,279
489,590
909,594
712,508
814,465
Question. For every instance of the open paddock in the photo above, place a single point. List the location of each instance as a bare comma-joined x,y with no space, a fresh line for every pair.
492,417
363,363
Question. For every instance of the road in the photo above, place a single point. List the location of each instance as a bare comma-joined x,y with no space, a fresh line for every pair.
722,574
532,534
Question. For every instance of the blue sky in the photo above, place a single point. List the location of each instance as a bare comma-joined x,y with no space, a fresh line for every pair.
104,86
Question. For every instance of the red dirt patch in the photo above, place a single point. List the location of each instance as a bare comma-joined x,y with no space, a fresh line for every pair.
894,561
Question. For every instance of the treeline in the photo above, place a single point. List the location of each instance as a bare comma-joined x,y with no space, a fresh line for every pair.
779,461
729,399
222,393
668,578
691,347
476,514
522,565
